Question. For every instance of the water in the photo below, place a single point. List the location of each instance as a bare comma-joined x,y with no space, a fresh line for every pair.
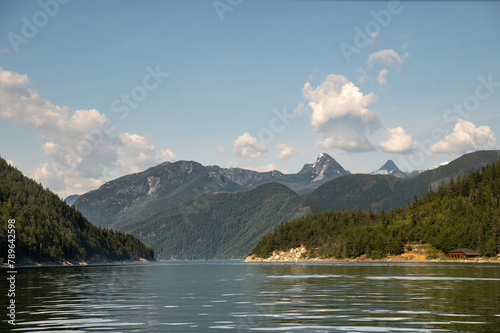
230,296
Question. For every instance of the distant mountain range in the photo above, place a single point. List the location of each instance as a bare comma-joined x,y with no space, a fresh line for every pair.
462,213
136,196
186,210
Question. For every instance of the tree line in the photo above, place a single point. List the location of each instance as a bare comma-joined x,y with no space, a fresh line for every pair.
47,229
463,212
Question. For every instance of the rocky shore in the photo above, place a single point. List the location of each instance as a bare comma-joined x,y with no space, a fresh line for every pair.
421,253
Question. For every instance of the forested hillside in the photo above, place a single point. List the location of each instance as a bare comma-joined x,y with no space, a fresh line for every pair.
218,225
465,213
133,197
384,192
47,229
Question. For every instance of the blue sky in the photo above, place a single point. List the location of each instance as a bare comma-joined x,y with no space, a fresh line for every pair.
92,90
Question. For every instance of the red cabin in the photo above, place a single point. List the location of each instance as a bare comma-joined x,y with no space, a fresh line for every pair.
462,253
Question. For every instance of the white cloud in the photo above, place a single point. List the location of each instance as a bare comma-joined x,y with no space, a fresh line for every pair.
286,152
265,168
388,58
222,150
5,50
250,147
399,141
340,114
81,143
382,76
466,137
167,154
50,175
300,109
137,153
373,37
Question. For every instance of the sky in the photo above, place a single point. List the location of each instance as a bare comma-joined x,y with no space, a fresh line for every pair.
93,90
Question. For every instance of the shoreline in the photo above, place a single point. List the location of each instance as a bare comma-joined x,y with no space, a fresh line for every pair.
418,253
68,263
333,260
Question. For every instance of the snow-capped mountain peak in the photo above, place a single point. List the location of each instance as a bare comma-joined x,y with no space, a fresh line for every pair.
325,166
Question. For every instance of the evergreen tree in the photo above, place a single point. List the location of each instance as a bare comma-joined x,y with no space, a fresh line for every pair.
47,229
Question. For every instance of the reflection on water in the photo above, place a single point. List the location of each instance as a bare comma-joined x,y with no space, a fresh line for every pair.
233,296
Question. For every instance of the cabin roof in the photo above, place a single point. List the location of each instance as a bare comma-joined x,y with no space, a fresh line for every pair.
465,251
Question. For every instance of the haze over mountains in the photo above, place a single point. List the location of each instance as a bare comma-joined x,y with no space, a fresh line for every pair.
188,211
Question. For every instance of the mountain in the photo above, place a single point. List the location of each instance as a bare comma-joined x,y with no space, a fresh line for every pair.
134,197
246,178
218,225
70,200
390,168
185,210
47,229
324,167
314,174
383,192
463,213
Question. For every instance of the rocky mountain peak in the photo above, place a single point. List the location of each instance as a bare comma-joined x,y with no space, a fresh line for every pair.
389,166
325,166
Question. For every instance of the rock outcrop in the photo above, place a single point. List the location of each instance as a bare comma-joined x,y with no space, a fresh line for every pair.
292,255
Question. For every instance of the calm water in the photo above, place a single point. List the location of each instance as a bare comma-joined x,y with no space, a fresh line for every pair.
230,296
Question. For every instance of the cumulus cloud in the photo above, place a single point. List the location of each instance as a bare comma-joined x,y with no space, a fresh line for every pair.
82,143
300,109
373,37
388,58
137,153
250,147
167,154
399,141
382,76
286,152
466,137
340,114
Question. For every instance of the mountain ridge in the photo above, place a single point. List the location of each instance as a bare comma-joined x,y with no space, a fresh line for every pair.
383,192
134,196
352,191
462,213
218,208
222,225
